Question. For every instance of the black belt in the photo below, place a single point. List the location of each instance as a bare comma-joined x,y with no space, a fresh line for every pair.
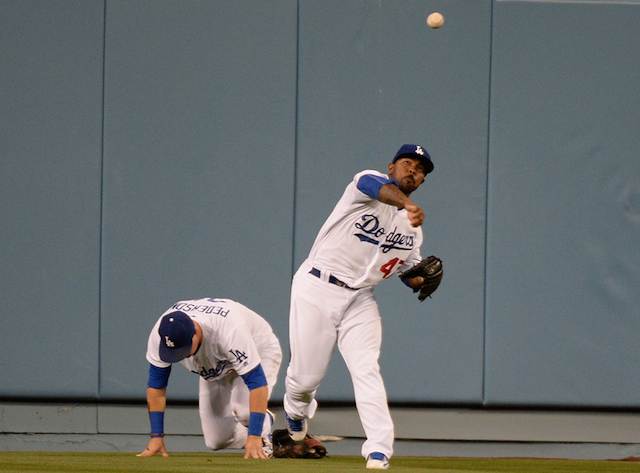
332,279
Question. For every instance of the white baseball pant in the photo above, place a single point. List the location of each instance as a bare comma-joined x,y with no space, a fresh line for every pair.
224,404
322,314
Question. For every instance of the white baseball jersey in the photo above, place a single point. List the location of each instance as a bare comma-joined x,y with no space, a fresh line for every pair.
233,336
365,241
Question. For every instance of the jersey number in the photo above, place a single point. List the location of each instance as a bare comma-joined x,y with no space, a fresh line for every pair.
389,267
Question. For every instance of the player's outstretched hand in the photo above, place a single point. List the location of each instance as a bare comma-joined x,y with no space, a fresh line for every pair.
415,214
154,447
253,448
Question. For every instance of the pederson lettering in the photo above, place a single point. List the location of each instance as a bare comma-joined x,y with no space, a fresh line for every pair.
205,309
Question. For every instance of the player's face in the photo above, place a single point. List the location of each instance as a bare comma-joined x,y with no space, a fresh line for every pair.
195,344
196,341
408,172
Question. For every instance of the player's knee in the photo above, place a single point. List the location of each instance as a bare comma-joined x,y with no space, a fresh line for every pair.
303,388
363,363
217,439
215,444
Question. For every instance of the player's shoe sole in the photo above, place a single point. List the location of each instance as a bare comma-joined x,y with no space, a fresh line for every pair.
377,461
297,428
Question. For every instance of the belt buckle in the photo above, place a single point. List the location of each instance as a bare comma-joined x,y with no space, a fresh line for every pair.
337,282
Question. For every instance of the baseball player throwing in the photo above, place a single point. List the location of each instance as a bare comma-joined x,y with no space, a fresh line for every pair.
373,233
237,356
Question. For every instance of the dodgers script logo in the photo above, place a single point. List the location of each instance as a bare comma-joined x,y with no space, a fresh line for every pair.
372,232
213,372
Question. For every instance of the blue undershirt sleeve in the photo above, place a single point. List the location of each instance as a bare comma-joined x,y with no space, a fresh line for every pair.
158,377
255,378
370,185
406,283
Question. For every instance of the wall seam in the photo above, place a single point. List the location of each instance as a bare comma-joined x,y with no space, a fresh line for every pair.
100,259
486,210
295,144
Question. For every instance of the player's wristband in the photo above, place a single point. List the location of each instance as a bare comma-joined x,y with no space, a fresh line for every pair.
256,422
156,418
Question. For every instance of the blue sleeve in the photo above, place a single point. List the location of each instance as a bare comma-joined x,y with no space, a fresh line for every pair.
406,283
255,378
370,184
158,377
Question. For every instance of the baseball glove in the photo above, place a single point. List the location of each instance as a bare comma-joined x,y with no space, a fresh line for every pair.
431,270
284,447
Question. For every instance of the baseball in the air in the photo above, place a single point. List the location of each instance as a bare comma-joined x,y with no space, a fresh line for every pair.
435,20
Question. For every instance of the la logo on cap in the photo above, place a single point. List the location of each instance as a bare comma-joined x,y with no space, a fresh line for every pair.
176,336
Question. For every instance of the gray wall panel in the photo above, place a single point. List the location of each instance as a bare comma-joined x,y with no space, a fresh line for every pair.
564,254
199,156
219,117
50,156
373,76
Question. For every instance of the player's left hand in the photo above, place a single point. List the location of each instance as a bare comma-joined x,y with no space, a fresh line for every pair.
416,283
430,271
253,448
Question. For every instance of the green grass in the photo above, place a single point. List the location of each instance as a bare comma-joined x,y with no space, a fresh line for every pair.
230,462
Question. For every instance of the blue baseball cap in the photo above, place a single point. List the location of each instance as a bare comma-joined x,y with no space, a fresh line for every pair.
176,336
416,152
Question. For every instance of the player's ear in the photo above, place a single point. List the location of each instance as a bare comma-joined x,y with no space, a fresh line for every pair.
391,166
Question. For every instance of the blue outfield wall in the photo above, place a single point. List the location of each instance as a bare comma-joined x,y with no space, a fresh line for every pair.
371,78
563,260
50,183
198,169
158,150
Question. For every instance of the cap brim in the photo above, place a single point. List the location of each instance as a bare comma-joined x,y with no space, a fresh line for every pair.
428,164
173,355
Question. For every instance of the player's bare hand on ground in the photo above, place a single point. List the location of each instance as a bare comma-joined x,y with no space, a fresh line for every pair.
253,448
154,447
415,214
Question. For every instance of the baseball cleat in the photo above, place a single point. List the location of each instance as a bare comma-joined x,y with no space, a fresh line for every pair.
377,461
297,428
267,438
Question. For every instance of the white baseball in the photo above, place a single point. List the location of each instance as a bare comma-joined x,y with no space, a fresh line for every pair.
435,20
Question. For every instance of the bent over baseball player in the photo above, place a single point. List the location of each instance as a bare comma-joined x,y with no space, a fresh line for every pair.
373,233
237,356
